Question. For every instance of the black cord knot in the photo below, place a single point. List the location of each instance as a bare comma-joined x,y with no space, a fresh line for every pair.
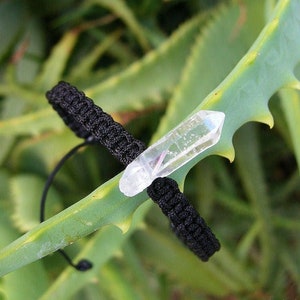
83,265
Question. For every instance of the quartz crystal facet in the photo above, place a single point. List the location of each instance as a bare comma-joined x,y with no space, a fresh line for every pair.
191,137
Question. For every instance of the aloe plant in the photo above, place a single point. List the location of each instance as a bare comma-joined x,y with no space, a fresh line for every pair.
233,57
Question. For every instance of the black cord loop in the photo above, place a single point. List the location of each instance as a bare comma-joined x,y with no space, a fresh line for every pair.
84,264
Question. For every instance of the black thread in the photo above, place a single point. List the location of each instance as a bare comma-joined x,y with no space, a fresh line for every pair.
83,264
89,121
52,175
185,221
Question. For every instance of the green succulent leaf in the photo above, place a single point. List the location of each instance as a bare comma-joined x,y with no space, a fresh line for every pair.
150,77
104,206
243,96
123,11
26,191
111,237
232,29
50,75
19,283
112,94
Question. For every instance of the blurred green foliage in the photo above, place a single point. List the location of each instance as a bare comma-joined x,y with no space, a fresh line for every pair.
149,64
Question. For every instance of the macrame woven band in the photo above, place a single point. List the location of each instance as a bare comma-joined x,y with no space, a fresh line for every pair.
90,122
188,225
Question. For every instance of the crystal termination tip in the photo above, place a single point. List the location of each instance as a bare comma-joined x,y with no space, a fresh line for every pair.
190,138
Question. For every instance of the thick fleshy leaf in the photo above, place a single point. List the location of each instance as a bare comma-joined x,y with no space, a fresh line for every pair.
121,9
150,77
165,64
26,193
55,65
243,96
23,283
106,205
233,29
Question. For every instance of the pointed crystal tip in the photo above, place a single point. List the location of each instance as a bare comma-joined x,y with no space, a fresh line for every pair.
191,137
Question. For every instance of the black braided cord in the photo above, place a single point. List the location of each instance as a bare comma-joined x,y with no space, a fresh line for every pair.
188,225
90,122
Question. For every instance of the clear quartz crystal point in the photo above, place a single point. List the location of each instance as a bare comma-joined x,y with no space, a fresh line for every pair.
191,137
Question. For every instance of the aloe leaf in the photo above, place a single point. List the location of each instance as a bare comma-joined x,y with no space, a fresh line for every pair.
123,11
18,285
106,205
150,77
84,67
33,123
207,66
29,152
55,65
243,96
26,191
29,63
99,250
112,95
